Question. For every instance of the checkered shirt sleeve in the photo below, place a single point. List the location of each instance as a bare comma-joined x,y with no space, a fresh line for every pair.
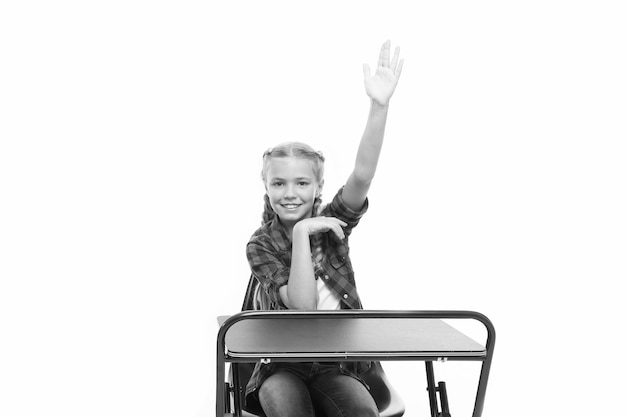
338,208
266,264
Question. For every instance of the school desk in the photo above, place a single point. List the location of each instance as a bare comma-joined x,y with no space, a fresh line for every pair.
354,335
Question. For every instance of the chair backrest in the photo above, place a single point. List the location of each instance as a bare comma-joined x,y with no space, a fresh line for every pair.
240,373
250,300
389,403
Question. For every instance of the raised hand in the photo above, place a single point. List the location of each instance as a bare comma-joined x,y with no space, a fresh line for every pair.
380,86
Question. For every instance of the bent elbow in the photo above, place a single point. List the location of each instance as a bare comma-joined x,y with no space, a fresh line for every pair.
298,303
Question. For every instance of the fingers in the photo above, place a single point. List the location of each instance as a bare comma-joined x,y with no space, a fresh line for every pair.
398,70
383,57
333,221
326,224
336,226
366,71
337,229
383,60
394,60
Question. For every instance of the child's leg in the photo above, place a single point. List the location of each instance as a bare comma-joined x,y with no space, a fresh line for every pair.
284,394
339,395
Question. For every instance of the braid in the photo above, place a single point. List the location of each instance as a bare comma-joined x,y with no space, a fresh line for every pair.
316,206
317,241
268,211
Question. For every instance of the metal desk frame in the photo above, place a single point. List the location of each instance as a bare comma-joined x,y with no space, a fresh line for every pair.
317,324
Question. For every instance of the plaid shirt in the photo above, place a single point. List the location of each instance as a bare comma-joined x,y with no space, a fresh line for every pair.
269,255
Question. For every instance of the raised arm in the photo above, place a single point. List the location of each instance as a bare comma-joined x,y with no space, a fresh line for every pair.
379,87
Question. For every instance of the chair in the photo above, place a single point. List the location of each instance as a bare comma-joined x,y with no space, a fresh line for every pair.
387,399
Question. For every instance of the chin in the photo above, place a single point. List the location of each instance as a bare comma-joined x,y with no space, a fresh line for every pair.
295,216
290,217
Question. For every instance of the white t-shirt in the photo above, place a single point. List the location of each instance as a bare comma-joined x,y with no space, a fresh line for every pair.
326,298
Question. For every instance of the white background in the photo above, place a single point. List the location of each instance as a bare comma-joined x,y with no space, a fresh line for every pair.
131,140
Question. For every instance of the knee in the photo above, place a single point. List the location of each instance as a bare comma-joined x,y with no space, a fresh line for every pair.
270,387
350,406
276,389
343,396
284,394
363,410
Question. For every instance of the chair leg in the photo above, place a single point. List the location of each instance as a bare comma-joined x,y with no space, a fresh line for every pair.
236,390
443,398
227,393
432,394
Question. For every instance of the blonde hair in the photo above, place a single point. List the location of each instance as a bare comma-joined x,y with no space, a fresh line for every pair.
297,150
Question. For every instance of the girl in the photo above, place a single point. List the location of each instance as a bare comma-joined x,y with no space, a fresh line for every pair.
300,257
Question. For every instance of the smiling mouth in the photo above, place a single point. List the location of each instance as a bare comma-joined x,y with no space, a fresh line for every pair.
291,206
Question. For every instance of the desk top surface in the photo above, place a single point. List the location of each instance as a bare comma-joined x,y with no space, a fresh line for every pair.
348,337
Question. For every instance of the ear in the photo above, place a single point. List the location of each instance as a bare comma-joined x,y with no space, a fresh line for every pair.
320,187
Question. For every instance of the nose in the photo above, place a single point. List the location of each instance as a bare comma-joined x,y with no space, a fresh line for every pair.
290,191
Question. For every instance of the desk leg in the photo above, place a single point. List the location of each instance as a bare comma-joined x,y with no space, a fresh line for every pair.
482,388
220,406
432,393
443,397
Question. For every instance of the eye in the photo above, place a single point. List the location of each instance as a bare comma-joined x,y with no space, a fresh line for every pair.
277,184
303,183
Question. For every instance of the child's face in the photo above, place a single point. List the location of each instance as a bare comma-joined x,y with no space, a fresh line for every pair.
292,187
